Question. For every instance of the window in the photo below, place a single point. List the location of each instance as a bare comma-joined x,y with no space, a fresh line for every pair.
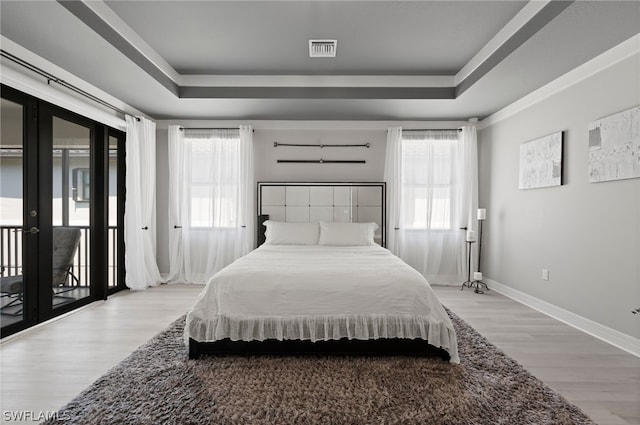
211,200
428,179
214,180
81,184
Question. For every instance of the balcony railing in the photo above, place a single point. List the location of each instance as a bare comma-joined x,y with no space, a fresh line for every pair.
11,239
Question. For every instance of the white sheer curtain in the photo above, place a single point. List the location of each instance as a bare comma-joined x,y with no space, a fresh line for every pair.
393,178
176,181
437,175
468,173
211,200
247,205
140,205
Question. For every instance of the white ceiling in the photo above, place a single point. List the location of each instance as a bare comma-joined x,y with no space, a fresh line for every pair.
397,60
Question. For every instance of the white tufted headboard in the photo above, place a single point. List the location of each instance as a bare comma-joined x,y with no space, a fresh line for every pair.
301,202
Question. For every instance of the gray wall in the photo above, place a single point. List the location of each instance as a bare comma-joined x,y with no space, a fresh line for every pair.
267,169
586,234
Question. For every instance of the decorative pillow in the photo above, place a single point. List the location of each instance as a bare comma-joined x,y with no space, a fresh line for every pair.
347,234
281,233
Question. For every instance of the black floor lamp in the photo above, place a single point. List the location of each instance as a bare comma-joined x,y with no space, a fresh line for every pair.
477,276
471,239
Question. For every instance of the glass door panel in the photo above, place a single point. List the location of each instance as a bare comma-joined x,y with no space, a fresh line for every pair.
12,282
71,211
112,202
61,211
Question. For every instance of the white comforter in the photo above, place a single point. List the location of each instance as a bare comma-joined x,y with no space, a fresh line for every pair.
320,293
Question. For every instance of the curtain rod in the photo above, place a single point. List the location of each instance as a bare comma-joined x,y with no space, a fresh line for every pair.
50,77
211,128
432,129
320,161
364,145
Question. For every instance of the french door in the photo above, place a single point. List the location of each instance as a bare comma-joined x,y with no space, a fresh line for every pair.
61,214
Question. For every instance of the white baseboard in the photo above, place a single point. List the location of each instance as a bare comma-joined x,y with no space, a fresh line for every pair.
611,336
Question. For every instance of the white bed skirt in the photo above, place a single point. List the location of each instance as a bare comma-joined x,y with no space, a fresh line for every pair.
320,328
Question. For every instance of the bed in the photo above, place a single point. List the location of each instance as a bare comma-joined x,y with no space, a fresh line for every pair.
320,287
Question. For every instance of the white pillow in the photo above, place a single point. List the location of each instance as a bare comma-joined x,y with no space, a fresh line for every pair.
281,233
347,234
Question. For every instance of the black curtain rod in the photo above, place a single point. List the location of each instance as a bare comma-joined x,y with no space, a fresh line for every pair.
320,161
432,129
50,77
364,145
211,128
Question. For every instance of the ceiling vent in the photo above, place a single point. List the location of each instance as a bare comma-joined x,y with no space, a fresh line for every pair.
322,48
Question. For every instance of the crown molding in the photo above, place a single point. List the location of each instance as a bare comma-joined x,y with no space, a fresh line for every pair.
389,81
611,57
313,125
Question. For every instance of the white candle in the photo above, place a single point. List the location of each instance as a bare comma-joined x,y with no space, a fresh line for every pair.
477,275
482,213
471,235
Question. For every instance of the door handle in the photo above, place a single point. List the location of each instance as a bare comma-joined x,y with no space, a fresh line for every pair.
32,230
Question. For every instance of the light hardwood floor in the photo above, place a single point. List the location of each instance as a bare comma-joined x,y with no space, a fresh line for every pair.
44,368
602,380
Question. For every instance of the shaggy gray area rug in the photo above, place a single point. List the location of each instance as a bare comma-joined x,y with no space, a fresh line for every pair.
157,384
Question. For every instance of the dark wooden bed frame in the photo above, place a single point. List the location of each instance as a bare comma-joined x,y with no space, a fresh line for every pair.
344,346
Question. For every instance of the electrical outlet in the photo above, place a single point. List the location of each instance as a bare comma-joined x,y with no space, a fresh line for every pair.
545,274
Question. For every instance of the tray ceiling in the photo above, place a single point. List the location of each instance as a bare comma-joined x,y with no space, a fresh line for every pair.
396,60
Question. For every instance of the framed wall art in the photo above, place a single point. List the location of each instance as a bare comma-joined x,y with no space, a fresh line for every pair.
541,162
614,147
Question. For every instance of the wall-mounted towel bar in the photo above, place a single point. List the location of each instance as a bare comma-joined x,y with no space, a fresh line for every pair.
364,145
320,161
